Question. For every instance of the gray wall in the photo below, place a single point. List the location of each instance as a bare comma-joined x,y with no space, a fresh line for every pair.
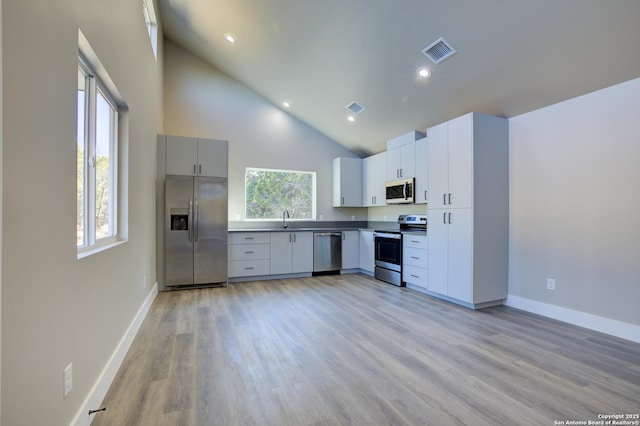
1,174
575,203
200,101
57,309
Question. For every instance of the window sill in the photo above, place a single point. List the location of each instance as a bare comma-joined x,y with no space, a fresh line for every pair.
90,251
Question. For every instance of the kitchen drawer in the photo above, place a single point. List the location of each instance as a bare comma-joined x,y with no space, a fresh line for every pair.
247,268
414,275
248,251
248,237
414,257
416,241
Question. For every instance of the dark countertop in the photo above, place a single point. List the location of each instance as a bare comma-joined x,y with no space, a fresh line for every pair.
293,229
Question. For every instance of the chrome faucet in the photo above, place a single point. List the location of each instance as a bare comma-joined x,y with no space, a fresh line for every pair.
285,215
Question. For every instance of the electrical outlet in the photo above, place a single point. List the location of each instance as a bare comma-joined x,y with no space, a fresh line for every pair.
67,378
321,217
551,284
353,217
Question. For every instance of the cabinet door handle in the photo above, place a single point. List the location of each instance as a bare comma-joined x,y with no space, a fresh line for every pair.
415,276
425,195
199,169
248,252
342,201
444,218
294,238
344,236
401,172
248,238
415,257
248,268
414,241
449,198
444,199
194,169
449,218
290,238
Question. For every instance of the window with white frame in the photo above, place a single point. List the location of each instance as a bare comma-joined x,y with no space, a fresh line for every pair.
97,161
152,24
270,192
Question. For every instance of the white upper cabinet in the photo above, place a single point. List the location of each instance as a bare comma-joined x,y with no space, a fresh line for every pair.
374,177
461,144
212,157
196,157
347,182
422,174
450,163
401,162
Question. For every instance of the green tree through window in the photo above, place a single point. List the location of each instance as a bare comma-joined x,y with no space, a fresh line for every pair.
270,192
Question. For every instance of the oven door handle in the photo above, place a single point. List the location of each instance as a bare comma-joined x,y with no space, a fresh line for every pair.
390,236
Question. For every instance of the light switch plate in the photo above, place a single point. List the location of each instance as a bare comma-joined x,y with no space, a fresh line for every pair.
67,377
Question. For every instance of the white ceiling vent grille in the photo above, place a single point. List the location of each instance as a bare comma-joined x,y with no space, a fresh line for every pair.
355,108
439,50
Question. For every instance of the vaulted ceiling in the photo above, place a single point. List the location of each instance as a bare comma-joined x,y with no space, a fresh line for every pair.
319,56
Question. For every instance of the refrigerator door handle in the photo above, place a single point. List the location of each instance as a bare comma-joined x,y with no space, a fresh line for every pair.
195,221
190,225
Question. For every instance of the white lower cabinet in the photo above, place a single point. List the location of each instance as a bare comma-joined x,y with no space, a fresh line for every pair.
291,252
367,251
414,260
451,253
248,254
350,249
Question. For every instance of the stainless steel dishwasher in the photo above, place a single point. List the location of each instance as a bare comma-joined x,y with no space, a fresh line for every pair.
327,251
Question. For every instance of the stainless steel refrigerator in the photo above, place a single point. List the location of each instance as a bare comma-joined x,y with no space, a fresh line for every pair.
195,230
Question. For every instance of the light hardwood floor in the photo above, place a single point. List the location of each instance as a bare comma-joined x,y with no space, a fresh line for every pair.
340,350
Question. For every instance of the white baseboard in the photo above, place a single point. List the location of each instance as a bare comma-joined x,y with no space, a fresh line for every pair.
101,386
582,319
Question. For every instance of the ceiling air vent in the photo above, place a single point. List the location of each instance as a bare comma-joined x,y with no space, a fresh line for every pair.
439,50
355,108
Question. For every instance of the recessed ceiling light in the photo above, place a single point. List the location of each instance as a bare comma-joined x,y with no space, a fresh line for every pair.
231,39
351,119
286,104
424,72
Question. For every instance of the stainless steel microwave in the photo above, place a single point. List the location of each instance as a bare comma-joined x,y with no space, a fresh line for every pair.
400,191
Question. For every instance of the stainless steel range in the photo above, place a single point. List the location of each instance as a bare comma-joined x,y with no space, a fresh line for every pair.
388,247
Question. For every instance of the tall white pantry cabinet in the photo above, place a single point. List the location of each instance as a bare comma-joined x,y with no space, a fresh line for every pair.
468,210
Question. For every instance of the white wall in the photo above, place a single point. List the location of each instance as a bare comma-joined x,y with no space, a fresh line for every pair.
201,101
57,309
575,205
